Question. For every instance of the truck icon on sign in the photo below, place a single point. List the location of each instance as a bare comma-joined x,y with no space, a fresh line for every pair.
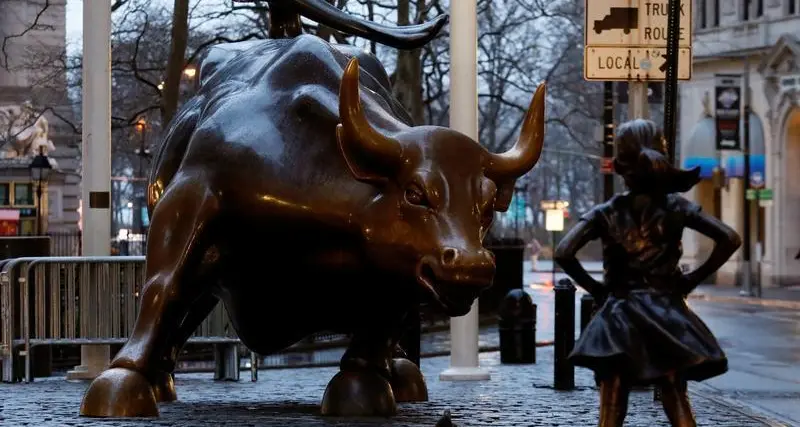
619,18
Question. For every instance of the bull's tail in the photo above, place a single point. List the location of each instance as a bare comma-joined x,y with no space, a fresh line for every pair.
172,150
285,22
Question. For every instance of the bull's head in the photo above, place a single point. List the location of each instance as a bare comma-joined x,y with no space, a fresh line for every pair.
439,191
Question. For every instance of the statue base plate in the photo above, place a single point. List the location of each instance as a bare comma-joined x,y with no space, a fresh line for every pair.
465,373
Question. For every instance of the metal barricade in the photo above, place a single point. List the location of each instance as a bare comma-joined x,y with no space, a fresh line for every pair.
77,301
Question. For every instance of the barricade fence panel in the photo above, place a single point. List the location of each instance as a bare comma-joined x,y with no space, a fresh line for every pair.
85,300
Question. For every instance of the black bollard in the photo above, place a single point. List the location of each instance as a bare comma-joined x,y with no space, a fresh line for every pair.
517,326
564,371
587,310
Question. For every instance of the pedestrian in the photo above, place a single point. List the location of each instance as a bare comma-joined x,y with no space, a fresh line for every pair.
535,248
644,333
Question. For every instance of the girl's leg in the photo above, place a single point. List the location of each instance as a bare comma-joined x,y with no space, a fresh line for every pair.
614,393
676,403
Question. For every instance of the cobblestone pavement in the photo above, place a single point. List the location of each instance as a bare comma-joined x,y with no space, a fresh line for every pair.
515,396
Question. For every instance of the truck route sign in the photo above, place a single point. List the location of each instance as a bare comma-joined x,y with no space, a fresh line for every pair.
627,40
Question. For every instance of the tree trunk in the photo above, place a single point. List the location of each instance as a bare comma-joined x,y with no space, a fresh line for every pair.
176,61
407,81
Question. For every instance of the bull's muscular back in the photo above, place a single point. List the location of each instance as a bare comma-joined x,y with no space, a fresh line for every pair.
262,124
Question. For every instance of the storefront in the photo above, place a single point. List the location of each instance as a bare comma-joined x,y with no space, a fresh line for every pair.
18,207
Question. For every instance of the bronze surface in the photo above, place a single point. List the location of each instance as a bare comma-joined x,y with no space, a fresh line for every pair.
292,188
643,332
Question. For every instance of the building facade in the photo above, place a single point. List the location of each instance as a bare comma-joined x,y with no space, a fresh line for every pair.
33,95
759,39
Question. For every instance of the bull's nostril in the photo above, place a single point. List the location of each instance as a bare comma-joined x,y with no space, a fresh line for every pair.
449,256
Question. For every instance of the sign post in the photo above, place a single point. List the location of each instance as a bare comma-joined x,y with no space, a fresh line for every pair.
626,40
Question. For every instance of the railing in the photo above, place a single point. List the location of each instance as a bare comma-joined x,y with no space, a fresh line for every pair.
69,244
77,301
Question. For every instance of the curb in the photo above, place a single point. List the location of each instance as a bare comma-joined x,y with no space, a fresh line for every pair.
758,414
747,300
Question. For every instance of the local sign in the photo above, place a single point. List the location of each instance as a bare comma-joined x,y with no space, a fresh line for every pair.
627,40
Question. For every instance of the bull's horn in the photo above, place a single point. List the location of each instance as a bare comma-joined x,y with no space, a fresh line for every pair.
522,157
355,127
405,37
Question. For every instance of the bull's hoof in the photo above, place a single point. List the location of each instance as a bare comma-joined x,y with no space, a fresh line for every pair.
408,384
164,388
358,394
119,392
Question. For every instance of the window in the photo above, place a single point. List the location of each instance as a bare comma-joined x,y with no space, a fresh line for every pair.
716,13
54,203
792,9
759,8
23,194
701,9
5,198
745,5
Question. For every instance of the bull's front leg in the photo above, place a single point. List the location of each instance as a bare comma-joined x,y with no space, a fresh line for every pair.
362,387
371,380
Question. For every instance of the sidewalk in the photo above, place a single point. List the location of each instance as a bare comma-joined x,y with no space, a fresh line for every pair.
519,395
770,297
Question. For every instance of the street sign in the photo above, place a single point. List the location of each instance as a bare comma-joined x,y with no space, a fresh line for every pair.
554,220
765,194
750,194
632,63
727,110
634,23
757,180
627,40
607,165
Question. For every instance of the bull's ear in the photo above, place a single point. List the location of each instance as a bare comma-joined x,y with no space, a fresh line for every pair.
502,198
357,161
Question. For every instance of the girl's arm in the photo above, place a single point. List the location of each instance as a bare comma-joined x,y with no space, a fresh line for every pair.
726,242
577,237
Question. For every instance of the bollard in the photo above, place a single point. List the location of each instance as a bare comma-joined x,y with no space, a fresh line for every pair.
517,326
564,371
253,366
587,310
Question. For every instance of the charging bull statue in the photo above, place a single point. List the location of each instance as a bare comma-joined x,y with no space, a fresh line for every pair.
292,188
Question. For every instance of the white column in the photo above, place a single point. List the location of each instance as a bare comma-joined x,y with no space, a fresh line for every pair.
464,118
96,156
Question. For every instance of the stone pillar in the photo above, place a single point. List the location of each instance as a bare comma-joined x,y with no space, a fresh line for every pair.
464,118
96,155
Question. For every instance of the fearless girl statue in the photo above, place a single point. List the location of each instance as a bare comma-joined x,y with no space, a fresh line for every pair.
643,332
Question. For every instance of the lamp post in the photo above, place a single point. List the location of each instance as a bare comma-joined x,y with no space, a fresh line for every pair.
143,153
40,170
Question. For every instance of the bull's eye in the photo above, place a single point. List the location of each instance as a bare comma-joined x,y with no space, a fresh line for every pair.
415,196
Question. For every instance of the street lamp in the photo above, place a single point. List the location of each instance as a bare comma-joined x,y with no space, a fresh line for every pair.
40,170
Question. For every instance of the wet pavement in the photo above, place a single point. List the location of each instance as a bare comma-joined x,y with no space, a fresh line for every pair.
516,395
763,347
763,385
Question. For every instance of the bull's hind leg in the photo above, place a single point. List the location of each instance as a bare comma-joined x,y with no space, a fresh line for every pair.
173,253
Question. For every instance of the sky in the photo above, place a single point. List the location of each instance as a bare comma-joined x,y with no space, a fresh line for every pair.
74,20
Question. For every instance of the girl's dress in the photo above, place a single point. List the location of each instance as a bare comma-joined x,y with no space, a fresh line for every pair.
644,330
